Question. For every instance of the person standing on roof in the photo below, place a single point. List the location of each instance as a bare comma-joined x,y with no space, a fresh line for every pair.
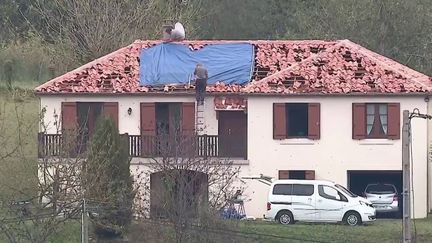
201,76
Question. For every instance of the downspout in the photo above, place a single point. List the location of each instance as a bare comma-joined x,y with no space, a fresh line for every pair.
428,157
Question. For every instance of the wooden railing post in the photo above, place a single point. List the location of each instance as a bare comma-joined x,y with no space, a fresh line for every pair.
205,146
40,146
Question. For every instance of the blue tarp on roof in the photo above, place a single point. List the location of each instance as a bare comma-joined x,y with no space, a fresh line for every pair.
170,63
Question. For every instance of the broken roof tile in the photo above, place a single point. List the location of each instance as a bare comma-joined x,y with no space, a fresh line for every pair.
284,67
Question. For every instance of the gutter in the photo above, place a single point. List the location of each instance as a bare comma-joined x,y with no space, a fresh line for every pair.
185,93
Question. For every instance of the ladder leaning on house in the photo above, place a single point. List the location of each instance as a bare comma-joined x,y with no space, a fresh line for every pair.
199,112
199,117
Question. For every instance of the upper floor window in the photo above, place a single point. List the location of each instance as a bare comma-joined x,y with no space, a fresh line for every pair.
376,120
168,118
296,120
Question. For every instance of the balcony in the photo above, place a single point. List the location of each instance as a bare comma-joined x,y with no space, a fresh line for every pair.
53,145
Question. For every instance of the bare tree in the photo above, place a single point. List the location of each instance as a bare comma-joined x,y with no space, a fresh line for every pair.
49,192
182,186
90,29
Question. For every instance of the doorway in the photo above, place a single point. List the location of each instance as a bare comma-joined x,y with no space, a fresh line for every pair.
232,134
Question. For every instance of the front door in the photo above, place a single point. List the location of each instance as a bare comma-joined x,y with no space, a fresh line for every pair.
232,134
330,203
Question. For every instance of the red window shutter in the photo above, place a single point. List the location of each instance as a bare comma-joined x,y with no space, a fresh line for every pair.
393,129
148,129
314,121
69,116
148,119
359,121
188,118
283,174
279,121
111,110
310,175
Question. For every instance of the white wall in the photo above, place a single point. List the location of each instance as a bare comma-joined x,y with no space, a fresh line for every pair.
335,152
331,156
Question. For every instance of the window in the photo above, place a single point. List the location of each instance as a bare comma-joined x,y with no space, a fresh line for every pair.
351,194
297,174
380,189
376,120
296,120
331,193
282,189
293,189
88,114
168,118
161,123
303,190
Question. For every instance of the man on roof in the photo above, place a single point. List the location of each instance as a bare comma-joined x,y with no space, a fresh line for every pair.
201,76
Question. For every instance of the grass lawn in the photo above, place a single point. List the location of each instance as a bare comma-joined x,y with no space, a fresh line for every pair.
18,143
382,230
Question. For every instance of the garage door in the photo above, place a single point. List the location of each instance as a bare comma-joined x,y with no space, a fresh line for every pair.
358,180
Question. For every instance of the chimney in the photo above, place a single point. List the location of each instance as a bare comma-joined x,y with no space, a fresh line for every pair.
167,27
166,32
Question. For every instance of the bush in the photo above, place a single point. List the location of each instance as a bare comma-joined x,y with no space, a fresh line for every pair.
108,182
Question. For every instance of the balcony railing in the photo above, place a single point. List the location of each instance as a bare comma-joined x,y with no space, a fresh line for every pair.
142,146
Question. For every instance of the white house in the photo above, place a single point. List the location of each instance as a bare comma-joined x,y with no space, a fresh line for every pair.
312,109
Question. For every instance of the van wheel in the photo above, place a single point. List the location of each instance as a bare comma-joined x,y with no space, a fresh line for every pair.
352,219
285,217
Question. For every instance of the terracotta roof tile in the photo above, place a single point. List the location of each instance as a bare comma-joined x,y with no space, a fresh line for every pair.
311,66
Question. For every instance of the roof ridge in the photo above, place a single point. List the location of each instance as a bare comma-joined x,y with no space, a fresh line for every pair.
363,50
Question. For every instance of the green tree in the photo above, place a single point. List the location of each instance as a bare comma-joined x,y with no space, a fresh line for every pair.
395,28
108,182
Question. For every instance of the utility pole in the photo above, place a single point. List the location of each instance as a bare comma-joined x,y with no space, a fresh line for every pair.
406,170
84,223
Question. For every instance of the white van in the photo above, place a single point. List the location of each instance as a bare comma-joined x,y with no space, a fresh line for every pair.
316,201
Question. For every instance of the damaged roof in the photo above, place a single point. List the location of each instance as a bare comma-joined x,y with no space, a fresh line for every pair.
284,67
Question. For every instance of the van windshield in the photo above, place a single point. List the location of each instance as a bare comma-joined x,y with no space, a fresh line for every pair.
346,190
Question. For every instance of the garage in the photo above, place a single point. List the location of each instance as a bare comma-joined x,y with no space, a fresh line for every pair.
358,180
